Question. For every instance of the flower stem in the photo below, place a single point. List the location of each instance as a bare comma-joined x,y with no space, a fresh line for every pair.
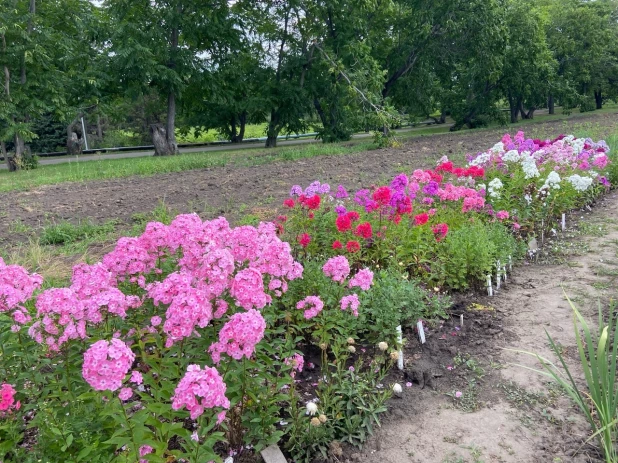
124,412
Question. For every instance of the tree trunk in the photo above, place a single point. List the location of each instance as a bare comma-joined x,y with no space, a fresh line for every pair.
243,126
170,125
550,104
99,128
160,141
233,134
530,114
273,130
74,141
237,137
598,98
513,108
520,106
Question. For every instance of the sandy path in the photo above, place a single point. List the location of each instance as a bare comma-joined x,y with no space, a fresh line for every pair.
518,420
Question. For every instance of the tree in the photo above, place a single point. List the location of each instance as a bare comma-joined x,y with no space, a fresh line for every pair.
529,67
161,44
584,39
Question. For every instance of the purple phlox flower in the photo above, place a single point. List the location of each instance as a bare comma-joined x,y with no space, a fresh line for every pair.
362,197
296,190
324,189
400,182
341,192
313,189
340,210
431,188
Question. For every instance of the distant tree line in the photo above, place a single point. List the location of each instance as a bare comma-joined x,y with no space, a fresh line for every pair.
154,66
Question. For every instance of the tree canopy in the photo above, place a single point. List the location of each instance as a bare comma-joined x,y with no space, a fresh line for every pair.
155,68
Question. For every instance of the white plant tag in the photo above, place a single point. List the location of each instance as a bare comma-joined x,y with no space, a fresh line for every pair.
563,222
400,342
490,290
421,331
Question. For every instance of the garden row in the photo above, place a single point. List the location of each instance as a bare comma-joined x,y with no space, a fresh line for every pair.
196,340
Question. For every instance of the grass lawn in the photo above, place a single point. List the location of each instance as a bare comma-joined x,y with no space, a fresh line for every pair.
149,165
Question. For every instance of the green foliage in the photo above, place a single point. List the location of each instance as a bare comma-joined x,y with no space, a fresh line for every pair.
395,300
598,354
465,257
349,404
67,232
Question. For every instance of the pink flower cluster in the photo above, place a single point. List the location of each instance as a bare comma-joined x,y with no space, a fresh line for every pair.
16,287
143,451
215,260
7,400
200,389
363,279
350,302
96,286
188,306
337,268
297,362
315,306
61,317
239,336
106,364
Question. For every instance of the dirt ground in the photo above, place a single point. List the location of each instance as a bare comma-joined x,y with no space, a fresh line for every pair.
234,191
505,413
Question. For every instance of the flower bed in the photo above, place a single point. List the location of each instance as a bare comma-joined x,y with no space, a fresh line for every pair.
197,340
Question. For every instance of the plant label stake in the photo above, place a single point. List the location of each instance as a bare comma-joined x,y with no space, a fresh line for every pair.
461,321
490,290
563,222
498,279
510,264
504,272
400,342
421,331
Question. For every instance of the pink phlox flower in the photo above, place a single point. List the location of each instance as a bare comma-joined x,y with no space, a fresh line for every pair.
239,336
350,302
61,317
200,389
297,363
337,268
315,306
106,364
363,279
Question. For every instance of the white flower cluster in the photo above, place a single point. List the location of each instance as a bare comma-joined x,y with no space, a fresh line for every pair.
481,159
580,183
481,186
497,148
528,165
511,156
552,181
494,188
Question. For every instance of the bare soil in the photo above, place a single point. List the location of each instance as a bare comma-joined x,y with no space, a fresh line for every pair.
234,191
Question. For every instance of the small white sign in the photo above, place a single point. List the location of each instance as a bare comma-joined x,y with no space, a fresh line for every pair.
490,289
563,222
421,331
400,342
